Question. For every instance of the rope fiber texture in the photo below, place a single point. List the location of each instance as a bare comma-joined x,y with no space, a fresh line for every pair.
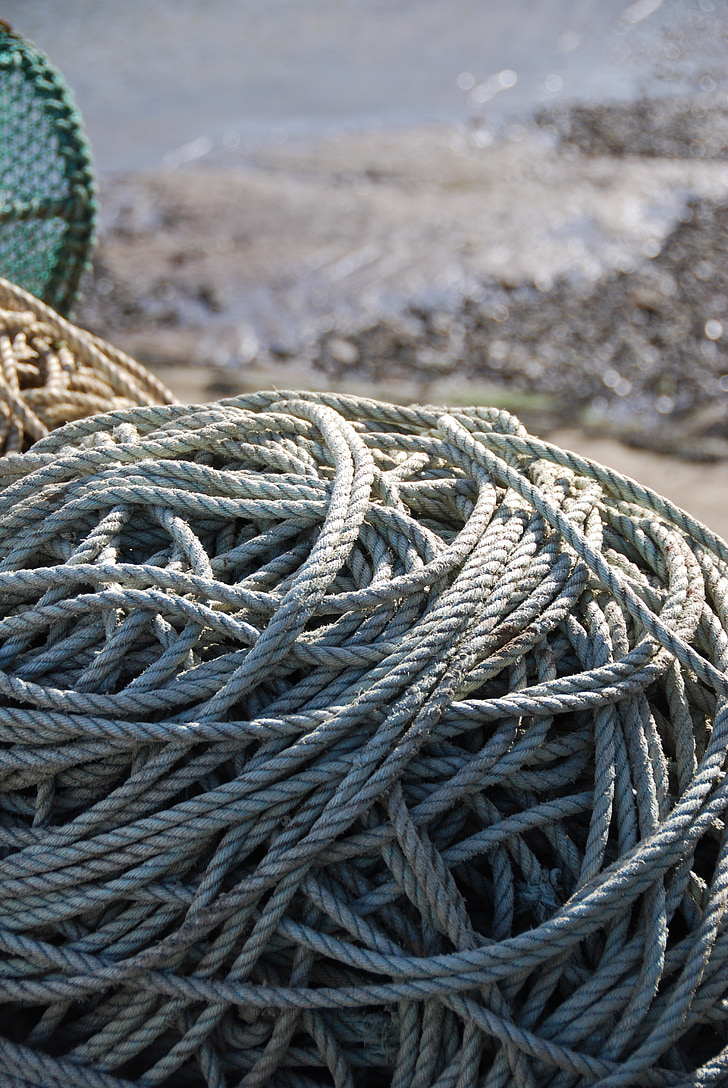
47,184
52,372
358,745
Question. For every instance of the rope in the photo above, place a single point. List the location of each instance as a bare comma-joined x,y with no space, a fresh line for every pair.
357,745
52,372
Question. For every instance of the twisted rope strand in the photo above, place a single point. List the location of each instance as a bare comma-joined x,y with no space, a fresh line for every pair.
51,371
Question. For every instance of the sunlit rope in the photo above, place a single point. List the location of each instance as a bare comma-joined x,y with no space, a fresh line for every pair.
52,372
357,745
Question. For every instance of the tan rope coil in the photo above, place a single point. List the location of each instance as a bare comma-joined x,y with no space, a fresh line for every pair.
52,372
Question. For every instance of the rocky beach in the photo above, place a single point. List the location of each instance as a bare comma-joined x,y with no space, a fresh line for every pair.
587,287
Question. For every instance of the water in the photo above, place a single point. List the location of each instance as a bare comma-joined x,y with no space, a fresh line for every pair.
163,81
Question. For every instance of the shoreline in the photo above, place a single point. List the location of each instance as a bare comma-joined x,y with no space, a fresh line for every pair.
584,289
596,284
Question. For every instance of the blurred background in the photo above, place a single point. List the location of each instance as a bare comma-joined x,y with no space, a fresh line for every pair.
521,204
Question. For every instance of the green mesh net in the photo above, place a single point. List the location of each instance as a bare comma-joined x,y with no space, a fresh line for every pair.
47,188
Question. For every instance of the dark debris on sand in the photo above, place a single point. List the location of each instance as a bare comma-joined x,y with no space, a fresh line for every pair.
639,354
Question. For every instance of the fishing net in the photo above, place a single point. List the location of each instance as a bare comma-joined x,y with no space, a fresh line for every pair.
52,372
47,188
357,745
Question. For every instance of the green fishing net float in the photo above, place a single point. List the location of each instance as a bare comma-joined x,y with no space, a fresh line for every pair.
47,187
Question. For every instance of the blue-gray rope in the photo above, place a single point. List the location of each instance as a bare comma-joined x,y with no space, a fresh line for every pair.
357,745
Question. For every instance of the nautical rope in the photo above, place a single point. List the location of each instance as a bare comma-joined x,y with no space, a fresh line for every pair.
350,744
52,372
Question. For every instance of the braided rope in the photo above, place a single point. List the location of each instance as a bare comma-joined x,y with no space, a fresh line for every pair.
52,372
357,745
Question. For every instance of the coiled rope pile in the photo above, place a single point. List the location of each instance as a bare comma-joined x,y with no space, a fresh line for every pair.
357,745
52,372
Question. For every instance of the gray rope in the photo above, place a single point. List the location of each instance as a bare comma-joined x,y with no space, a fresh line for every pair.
357,745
